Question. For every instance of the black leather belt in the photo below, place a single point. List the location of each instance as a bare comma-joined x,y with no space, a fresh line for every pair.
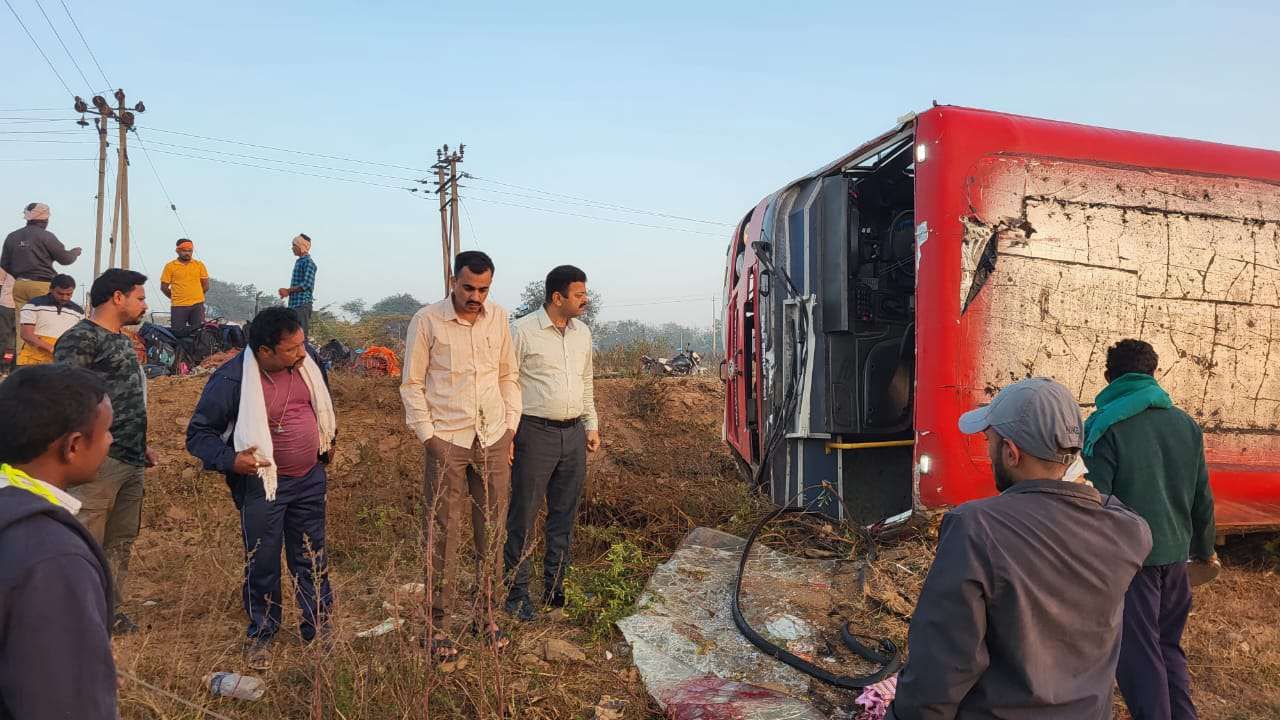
551,423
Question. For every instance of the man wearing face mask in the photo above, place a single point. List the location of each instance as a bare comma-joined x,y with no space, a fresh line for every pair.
1020,615
265,420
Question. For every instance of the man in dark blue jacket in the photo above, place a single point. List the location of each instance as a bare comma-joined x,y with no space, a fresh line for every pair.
55,590
278,486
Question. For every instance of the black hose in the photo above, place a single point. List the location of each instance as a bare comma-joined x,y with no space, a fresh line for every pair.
887,654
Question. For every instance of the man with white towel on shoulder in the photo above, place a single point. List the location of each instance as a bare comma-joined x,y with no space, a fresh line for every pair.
266,421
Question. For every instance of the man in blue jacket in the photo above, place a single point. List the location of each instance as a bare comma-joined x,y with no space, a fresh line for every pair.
265,420
55,590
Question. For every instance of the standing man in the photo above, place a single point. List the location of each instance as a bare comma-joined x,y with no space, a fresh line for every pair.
111,505
1020,614
265,420
8,323
185,281
303,283
29,254
1148,453
55,593
46,318
461,394
559,426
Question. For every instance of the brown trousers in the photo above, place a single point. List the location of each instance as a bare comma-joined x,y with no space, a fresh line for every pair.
24,291
453,472
111,510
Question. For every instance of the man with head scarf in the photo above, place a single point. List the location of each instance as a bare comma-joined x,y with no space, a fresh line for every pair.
28,255
185,281
303,283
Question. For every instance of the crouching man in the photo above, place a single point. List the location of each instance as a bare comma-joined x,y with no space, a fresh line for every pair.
1020,615
266,421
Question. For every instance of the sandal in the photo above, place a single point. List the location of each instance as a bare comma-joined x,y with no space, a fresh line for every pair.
443,650
494,636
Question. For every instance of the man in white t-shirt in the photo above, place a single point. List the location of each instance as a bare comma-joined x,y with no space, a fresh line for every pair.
45,318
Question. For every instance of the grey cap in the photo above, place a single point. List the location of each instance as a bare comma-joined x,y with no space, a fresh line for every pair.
1039,415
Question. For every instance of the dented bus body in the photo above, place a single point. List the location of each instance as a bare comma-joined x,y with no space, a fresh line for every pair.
873,301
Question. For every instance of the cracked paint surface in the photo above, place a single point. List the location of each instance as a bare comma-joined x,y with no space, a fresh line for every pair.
1087,255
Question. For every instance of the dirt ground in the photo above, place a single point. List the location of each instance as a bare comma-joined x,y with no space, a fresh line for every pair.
662,471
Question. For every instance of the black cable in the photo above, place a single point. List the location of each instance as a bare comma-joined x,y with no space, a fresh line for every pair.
39,49
887,655
76,25
597,203
88,85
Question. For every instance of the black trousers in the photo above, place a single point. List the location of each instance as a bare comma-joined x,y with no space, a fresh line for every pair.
185,320
1152,673
550,468
296,520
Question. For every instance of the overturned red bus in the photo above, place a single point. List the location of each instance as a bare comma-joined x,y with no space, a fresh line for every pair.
871,302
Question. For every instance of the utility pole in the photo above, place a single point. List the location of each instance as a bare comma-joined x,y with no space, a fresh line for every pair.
445,242
124,118
450,224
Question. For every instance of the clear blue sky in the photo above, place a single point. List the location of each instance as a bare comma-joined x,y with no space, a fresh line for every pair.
691,109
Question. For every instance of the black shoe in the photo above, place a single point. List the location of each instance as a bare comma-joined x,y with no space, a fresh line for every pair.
553,600
520,608
122,625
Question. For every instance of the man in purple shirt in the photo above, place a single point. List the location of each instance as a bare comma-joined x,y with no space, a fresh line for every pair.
291,510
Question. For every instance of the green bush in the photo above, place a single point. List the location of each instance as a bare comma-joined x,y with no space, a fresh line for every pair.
596,598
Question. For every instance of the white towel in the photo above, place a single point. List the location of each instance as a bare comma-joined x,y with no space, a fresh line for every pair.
254,431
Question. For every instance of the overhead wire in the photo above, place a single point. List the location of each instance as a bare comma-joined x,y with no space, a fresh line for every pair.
282,162
594,217
163,189
58,35
470,224
286,150
599,203
39,49
283,170
76,25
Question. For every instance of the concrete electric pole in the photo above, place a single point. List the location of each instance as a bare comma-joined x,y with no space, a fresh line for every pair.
124,118
447,190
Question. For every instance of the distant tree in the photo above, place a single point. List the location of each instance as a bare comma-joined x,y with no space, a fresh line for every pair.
236,302
402,304
535,293
355,308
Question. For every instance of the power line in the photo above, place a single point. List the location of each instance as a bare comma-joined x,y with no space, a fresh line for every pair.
282,170
47,159
30,109
282,162
163,189
58,35
40,132
601,204
286,150
470,224
39,49
692,298
76,25
596,217
63,142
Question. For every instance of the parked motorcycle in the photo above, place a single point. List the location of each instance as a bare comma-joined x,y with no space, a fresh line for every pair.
686,362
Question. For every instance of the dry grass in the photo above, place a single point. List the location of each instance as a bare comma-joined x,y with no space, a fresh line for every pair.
661,472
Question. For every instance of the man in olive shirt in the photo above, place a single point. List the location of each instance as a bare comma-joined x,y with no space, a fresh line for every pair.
1150,454
1020,615
111,505
557,429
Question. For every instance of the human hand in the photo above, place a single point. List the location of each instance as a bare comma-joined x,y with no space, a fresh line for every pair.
284,292
247,462
150,458
76,251
511,450
593,440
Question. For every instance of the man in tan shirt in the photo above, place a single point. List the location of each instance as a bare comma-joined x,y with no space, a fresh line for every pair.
461,395
558,428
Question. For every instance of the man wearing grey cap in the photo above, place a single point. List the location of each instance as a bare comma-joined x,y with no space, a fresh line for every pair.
1020,616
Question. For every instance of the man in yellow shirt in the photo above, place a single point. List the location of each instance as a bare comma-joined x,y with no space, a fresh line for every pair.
185,281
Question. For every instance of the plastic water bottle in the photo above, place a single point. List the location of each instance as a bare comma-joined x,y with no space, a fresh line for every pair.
235,685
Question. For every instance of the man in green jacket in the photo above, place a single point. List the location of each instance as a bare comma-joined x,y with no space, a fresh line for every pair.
1150,455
